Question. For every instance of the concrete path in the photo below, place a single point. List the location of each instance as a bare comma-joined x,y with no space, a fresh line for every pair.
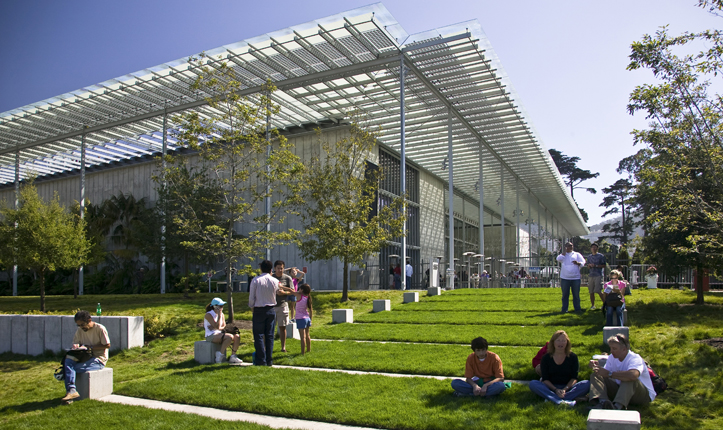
220,414
362,372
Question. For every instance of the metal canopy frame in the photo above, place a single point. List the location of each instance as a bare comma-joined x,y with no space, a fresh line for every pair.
323,70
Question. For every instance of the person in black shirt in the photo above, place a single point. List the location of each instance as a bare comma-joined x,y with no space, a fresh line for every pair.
559,368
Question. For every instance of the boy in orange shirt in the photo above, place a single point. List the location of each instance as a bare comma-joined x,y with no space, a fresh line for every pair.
482,366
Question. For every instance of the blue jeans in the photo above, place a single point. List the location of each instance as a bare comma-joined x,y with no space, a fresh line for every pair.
263,325
577,390
461,386
409,282
609,315
566,284
397,282
72,367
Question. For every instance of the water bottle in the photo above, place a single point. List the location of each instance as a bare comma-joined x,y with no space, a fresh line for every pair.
97,310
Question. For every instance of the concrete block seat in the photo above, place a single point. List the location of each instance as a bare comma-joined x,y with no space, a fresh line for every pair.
612,331
342,315
625,318
291,331
605,419
434,291
382,305
94,384
411,297
204,352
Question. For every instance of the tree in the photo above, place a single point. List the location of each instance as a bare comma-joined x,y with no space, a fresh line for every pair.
340,211
574,175
680,182
233,146
47,238
618,200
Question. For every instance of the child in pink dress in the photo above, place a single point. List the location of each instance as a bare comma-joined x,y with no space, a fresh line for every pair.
304,313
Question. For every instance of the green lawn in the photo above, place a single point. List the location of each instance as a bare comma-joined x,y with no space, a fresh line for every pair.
664,329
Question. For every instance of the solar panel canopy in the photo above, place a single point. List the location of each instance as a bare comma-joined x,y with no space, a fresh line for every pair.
324,70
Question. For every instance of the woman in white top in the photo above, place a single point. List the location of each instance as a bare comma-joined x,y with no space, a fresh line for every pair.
214,324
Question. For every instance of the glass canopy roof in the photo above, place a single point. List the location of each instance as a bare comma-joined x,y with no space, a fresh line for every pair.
324,69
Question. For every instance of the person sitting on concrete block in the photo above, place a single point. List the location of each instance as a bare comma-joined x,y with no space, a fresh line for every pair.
625,378
88,336
214,324
481,366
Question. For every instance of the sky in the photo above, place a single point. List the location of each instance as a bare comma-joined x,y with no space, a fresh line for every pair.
566,59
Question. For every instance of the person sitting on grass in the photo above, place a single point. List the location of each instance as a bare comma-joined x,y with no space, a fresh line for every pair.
304,313
481,366
559,369
537,359
214,324
89,335
625,378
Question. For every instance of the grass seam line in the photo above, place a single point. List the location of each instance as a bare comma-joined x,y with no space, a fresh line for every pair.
420,343
226,415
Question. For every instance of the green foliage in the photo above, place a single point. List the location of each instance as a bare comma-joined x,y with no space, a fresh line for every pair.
47,238
567,166
237,166
680,173
618,200
338,202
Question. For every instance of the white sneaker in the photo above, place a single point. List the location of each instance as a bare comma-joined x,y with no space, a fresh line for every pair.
219,357
234,360
568,403
592,308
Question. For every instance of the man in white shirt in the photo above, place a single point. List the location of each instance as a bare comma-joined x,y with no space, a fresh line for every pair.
262,300
408,272
570,277
625,378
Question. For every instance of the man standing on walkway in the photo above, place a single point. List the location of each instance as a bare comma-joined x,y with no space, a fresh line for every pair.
408,272
570,276
596,263
262,299
625,378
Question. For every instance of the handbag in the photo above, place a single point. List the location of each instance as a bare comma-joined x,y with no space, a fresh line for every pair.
614,300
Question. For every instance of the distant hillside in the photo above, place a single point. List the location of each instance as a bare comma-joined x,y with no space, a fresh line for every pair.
596,230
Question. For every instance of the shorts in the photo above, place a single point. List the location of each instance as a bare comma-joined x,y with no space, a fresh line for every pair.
211,337
594,284
290,298
302,323
282,314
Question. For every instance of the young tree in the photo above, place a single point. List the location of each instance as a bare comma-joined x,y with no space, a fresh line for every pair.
47,238
233,142
339,204
618,200
680,184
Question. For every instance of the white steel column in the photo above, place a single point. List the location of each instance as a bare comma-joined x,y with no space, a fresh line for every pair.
450,269
517,221
17,206
82,202
539,228
529,227
502,213
164,149
481,211
403,173
267,200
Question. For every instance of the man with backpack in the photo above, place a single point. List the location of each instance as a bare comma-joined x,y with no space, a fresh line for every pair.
625,378
91,338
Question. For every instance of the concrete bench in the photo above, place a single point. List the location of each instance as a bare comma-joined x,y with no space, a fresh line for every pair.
291,331
411,297
434,291
204,351
603,419
625,318
342,315
94,384
382,305
35,334
612,331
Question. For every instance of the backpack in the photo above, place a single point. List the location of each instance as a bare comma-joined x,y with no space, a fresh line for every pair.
614,300
80,354
659,384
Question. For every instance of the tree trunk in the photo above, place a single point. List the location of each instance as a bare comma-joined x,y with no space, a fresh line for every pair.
185,270
229,297
699,275
76,279
42,290
345,290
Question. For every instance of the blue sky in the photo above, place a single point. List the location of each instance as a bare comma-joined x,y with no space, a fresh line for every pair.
565,58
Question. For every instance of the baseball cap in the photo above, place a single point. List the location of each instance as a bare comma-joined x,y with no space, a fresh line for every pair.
217,302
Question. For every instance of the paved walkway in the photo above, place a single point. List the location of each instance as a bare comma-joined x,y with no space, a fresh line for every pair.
220,414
